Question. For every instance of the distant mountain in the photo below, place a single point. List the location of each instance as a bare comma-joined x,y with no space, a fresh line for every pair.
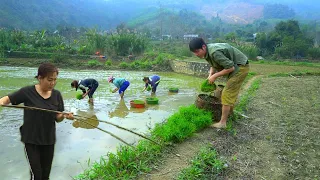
106,14
38,14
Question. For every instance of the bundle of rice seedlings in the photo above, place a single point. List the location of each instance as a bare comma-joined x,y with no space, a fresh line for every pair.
79,96
207,87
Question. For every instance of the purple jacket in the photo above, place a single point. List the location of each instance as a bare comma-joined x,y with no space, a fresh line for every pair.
155,79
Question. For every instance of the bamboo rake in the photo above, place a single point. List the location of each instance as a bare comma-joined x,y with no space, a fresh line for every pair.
105,132
53,111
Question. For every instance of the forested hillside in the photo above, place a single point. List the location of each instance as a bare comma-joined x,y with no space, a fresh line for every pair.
107,14
40,14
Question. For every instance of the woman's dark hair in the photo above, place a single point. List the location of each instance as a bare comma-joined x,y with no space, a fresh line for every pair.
196,43
145,78
74,84
46,69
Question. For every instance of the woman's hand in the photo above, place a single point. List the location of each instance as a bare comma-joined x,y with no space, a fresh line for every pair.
115,90
85,94
62,115
68,115
5,100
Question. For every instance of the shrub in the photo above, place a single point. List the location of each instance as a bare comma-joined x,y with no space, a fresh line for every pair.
250,51
93,63
123,65
135,65
314,53
124,44
108,63
163,60
86,49
57,58
184,51
145,65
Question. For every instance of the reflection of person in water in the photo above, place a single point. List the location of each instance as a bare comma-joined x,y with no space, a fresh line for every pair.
120,111
87,123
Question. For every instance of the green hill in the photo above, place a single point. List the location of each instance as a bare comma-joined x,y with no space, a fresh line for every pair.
106,14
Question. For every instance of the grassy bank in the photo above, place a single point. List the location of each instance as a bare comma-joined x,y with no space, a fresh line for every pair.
206,165
128,162
146,62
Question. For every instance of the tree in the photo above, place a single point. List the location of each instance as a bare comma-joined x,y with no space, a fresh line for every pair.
231,37
262,26
288,28
286,40
293,47
277,11
97,40
17,37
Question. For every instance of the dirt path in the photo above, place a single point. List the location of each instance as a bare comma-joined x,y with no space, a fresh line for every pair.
281,140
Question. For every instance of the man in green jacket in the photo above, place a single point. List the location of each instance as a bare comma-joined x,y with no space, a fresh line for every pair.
225,60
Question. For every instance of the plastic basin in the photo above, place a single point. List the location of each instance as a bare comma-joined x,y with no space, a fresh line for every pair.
137,103
152,100
174,90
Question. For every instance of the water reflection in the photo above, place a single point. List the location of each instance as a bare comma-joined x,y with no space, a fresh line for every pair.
153,106
121,110
89,120
172,93
138,110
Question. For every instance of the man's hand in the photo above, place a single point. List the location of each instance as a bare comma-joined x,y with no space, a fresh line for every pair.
211,79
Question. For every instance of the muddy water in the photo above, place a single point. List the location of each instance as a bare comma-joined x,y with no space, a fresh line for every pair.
78,142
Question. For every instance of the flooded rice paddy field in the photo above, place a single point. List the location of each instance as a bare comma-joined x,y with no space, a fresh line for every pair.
76,142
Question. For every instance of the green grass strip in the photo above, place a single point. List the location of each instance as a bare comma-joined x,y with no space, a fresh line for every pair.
250,93
287,63
183,124
206,165
128,162
296,73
